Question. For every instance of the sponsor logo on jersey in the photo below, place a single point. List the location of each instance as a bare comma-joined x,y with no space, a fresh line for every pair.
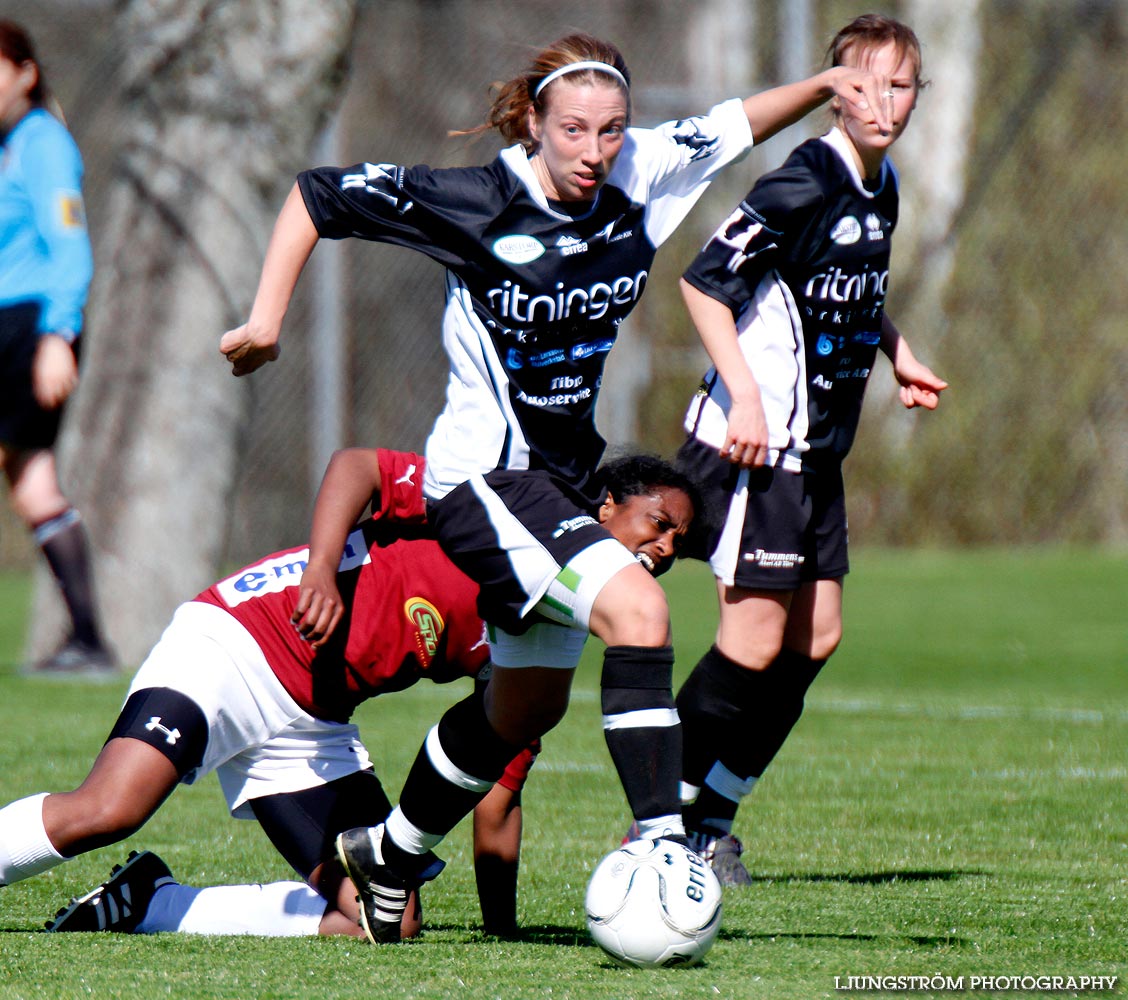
428,627
546,358
274,575
870,337
826,344
268,577
511,302
581,351
569,245
846,230
557,399
873,228
518,249
774,560
515,359
573,524
821,382
687,132
837,285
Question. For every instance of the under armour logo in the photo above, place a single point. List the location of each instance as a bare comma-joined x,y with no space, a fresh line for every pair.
171,735
406,477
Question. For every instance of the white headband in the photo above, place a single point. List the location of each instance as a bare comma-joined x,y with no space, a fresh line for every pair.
576,67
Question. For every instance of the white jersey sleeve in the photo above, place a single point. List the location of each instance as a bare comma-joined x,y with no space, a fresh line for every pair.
670,166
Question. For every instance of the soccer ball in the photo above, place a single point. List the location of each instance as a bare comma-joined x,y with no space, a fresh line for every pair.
653,903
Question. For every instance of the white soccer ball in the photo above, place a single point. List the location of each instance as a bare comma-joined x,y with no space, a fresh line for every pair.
653,903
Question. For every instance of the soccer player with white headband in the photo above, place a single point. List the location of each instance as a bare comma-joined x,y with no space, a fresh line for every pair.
547,250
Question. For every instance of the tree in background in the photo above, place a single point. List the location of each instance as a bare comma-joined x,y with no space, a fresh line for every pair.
220,105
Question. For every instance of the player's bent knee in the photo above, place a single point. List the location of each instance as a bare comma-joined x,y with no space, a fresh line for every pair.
631,610
825,641
167,720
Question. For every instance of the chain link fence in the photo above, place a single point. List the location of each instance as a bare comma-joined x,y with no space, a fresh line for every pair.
1017,300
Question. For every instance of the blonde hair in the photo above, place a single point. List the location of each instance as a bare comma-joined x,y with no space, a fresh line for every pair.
509,112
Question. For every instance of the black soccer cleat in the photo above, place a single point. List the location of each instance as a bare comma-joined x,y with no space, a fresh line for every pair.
121,902
383,893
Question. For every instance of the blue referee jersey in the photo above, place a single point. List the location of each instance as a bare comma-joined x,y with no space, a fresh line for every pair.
45,252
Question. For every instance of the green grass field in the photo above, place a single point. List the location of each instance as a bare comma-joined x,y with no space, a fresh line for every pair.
953,803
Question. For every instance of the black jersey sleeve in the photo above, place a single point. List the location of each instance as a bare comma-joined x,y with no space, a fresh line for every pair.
768,227
438,212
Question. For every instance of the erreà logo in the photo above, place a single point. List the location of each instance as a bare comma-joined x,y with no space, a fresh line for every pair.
518,249
846,230
428,627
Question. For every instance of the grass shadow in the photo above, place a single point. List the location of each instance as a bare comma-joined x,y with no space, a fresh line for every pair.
923,940
872,878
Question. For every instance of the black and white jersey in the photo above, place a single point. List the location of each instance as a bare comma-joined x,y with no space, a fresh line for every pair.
803,263
535,296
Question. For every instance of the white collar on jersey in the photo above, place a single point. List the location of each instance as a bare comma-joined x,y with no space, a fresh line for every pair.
517,160
841,145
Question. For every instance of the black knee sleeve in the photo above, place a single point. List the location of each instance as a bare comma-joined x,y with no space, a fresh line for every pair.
168,721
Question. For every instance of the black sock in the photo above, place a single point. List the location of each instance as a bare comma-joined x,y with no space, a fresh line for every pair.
63,541
710,704
737,718
640,725
457,765
791,673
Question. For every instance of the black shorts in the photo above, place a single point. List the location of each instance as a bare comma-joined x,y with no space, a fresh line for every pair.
766,528
303,825
531,543
24,424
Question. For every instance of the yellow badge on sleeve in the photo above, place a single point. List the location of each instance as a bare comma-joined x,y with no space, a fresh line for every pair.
72,214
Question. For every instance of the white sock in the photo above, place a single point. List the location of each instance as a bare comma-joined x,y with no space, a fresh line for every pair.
661,826
277,909
25,849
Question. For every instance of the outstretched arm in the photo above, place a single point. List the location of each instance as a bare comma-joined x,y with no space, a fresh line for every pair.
920,386
773,110
250,346
351,480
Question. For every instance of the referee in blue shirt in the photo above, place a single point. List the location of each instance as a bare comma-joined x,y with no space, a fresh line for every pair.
45,271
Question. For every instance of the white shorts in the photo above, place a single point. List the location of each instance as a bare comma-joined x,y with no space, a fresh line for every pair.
260,742
545,644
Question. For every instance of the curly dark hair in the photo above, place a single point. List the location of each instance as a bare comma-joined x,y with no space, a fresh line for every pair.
637,475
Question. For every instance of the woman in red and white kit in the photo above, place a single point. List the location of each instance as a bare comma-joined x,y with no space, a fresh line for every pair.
256,679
